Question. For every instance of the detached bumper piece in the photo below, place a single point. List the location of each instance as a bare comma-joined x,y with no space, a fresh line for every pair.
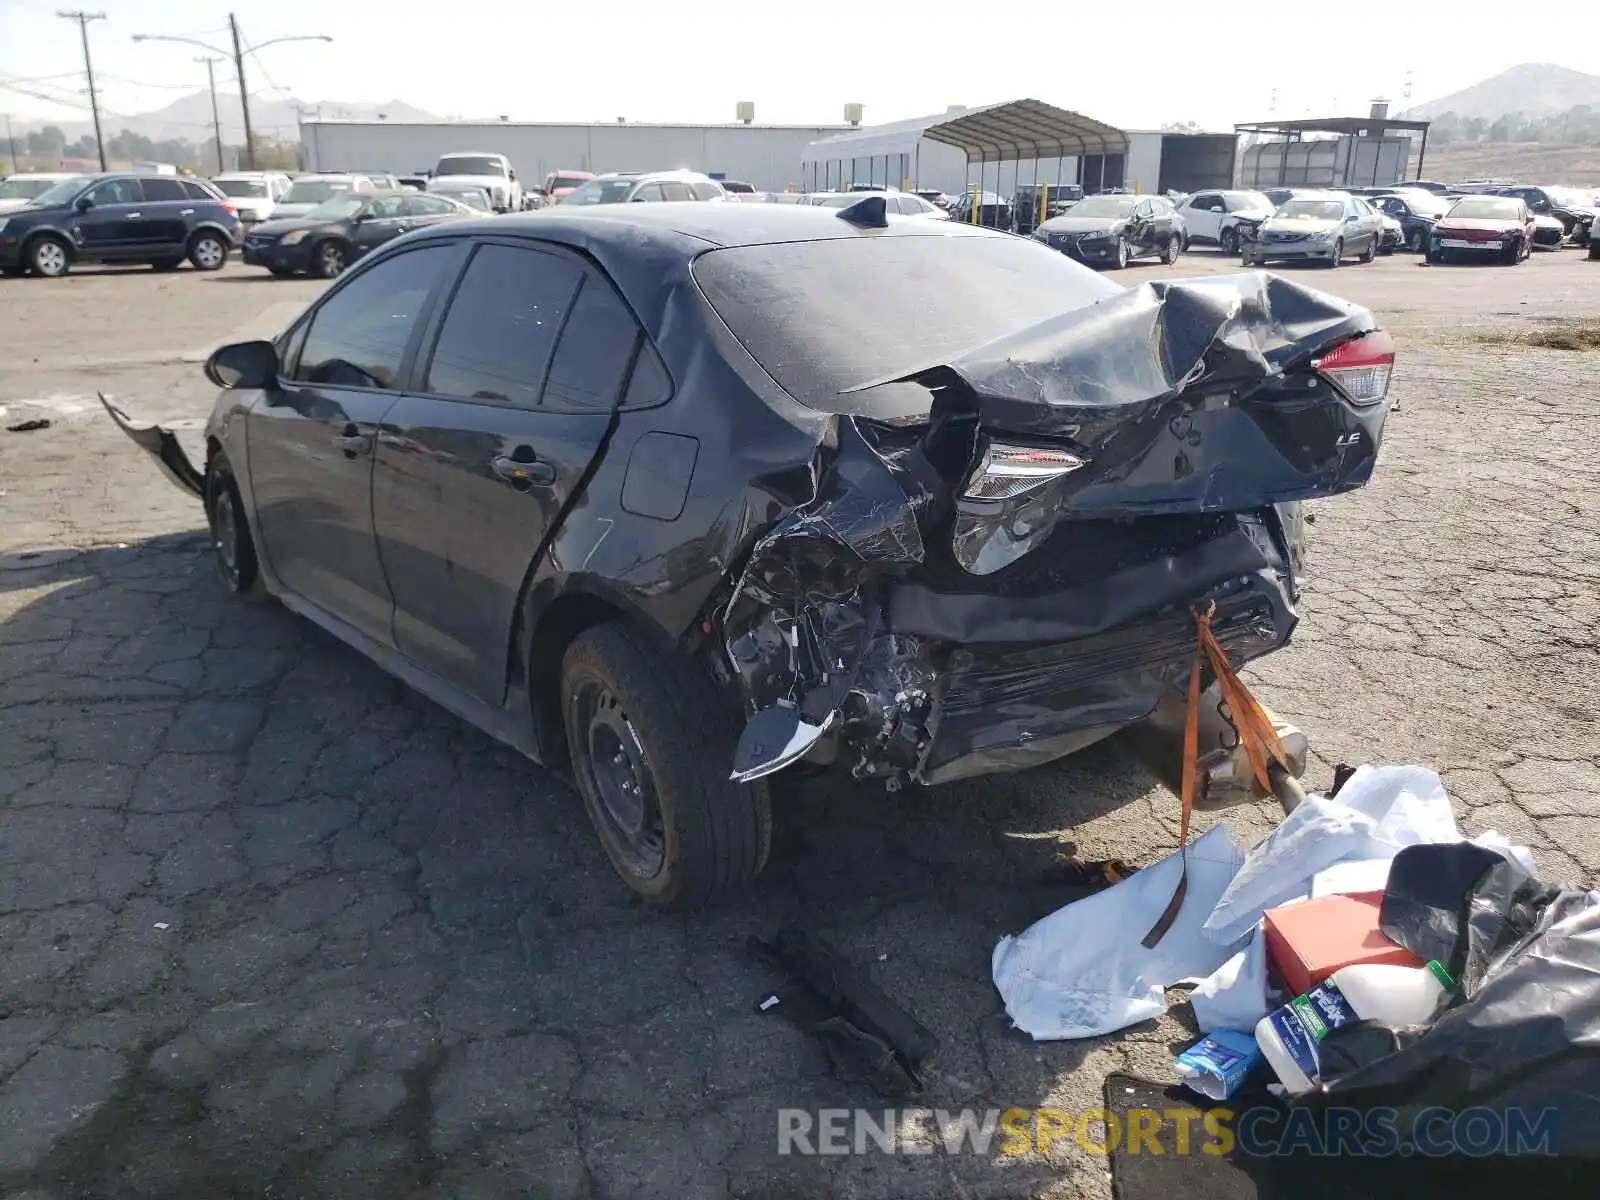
859,1025
161,445
1014,580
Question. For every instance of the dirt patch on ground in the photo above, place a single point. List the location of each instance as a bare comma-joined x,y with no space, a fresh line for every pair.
1580,334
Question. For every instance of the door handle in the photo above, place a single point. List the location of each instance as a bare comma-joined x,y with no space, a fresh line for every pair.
188,212
523,475
352,442
135,216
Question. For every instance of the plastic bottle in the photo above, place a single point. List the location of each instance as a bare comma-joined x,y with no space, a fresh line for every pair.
1396,996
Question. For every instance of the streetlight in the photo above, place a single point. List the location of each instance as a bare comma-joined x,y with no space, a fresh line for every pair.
238,65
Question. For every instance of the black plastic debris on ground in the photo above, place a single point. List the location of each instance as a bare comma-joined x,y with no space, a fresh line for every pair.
863,1031
29,426
1247,1149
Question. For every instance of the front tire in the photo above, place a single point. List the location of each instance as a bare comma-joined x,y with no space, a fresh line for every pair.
329,260
233,549
1121,261
1170,252
207,252
651,743
1416,241
1371,251
48,256
1338,254
1228,242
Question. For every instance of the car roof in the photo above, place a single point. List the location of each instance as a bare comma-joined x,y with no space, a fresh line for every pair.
692,226
472,154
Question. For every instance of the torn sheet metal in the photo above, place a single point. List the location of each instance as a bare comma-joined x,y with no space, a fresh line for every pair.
1153,450
162,445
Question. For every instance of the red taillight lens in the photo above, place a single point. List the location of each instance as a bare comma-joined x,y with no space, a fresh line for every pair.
230,210
1360,368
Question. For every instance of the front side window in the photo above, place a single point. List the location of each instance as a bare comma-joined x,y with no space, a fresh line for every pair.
116,191
671,189
358,337
431,206
706,191
498,336
315,191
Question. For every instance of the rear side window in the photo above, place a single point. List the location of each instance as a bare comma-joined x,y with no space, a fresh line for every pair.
704,191
823,317
358,337
498,336
158,188
671,189
195,191
596,350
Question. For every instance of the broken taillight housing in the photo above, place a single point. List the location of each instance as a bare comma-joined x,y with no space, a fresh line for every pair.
1007,472
1360,368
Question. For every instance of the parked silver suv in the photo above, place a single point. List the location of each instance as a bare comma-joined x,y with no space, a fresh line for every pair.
622,187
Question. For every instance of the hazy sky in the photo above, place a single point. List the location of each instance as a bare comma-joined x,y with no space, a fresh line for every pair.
1141,64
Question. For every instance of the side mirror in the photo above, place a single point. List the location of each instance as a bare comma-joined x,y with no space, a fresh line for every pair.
511,175
83,203
1352,219
243,365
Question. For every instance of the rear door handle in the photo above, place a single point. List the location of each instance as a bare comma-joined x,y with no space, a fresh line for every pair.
523,475
135,216
352,442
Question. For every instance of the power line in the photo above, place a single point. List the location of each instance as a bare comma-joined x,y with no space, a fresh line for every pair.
83,19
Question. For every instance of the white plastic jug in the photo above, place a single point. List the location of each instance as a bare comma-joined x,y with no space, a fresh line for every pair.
1396,996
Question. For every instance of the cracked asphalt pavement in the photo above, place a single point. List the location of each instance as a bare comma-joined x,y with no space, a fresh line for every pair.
271,924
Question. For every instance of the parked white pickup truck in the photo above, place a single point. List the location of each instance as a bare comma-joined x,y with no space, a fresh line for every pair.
492,172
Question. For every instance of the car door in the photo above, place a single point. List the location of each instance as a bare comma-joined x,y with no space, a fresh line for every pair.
311,439
476,465
1203,216
111,226
167,211
1141,228
1370,221
380,220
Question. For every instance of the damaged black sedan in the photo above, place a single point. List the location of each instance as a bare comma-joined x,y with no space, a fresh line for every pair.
688,497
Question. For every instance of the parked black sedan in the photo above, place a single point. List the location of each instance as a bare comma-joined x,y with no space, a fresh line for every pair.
682,496
340,230
1111,231
1416,211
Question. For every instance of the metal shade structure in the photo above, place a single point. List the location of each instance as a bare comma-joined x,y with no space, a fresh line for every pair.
1026,130
1016,131
1371,126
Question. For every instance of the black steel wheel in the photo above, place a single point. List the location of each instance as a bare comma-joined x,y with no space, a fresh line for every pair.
651,743
1228,242
233,549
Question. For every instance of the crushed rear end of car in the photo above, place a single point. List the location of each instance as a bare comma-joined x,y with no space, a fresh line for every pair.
1010,577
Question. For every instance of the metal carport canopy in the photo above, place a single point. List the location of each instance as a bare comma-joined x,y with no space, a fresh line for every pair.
1026,129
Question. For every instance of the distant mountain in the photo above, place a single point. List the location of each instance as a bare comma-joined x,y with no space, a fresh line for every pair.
189,117
1536,89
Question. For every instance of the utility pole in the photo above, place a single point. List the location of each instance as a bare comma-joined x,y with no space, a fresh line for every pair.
216,119
244,94
83,19
11,140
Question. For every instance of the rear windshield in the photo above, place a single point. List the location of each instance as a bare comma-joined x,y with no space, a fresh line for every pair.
1489,208
469,164
824,317
242,188
315,191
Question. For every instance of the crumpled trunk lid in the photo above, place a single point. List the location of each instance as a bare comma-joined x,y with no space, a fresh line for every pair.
932,623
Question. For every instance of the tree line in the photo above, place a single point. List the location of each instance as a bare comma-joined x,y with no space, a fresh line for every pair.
1578,126
49,146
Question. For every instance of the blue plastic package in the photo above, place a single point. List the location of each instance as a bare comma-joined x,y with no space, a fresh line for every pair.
1217,1064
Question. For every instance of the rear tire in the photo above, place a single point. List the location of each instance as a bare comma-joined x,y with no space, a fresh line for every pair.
208,252
233,549
651,742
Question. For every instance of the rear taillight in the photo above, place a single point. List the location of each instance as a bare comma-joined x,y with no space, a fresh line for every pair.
1360,368
1007,472
230,210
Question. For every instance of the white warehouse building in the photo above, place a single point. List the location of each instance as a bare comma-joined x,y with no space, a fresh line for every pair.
766,156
